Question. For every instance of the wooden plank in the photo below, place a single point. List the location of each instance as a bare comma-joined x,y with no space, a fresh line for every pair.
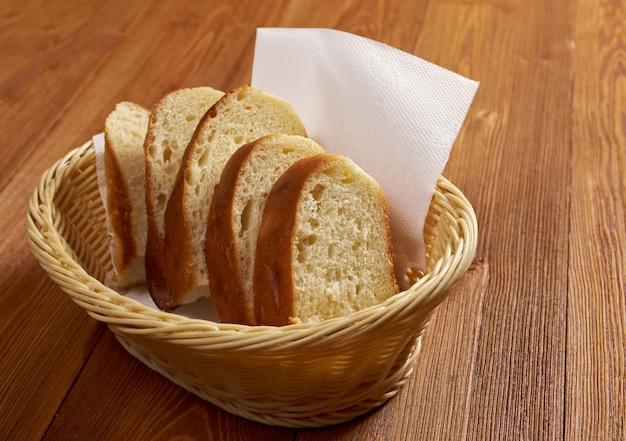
48,53
514,165
596,347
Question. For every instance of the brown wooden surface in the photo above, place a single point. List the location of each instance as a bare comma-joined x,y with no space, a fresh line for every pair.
530,344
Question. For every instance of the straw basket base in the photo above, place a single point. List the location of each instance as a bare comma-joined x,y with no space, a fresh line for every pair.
303,375
288,415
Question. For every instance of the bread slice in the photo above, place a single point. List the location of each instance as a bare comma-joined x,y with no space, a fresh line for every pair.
324,245
235,217
172,124
124,133
241,116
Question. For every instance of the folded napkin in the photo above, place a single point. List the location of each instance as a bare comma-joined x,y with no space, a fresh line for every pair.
394,114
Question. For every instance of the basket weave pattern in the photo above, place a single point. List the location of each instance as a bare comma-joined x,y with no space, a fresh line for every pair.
303,375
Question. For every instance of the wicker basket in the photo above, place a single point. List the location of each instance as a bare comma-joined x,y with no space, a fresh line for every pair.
303,375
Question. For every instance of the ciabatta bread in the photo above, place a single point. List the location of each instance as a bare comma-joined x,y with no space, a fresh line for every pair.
241,116
124,171
324,245
235,217
172,124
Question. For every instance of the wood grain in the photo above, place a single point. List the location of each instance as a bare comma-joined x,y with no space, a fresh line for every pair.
596,319
530,344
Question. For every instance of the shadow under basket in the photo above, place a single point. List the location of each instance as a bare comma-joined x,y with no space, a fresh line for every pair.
304,375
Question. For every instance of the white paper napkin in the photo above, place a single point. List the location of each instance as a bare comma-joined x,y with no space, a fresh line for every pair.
394,114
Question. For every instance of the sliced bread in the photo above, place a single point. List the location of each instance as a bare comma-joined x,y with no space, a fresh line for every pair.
124,133
324,245
172,124
235,217
244,114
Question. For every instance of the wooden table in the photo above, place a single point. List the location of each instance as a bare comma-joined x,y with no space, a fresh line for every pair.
529,345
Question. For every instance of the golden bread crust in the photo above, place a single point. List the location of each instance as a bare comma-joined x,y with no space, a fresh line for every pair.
324,246
274,302
227,290
119,208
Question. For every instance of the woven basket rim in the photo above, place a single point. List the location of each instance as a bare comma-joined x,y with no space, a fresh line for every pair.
132,317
